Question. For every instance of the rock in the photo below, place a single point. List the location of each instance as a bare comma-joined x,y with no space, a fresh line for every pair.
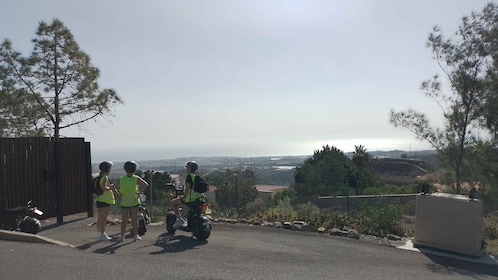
338,232
277,224
307,227
287,225
352,233
321,230
393,237
267,224
301,223
295,227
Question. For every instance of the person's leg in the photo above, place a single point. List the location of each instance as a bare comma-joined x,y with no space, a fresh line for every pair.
103,222
134,222
175,205
99,217
180,221
124,221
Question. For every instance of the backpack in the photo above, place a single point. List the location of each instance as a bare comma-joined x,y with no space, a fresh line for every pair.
96,186
200,184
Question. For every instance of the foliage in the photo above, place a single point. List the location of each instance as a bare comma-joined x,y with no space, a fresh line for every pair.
255,207
323,174
381,218
361,175
235,189
160,186
387,189
289,193
52,89
468,61
307,211
491,226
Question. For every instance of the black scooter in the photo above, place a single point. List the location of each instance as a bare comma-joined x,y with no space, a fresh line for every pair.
143,217
197,220
25,222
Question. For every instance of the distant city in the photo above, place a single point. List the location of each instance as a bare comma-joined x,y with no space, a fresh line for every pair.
237,163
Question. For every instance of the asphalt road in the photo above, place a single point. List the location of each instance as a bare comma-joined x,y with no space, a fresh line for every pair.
232,252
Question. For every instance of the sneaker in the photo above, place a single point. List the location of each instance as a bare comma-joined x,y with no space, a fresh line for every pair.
121,239
137,238
103,237
107,236
180,223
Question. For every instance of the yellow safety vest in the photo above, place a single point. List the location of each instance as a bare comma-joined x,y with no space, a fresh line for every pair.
107,196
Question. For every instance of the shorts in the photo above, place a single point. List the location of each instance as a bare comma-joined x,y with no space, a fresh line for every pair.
128,207
101,204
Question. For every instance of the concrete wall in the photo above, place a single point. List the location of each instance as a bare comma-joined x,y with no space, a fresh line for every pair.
449,222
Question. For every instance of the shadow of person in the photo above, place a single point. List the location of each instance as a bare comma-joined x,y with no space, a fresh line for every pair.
109,249
175,243
46,227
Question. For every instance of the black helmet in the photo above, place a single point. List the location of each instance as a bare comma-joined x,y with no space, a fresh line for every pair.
193,166
105,166
130,166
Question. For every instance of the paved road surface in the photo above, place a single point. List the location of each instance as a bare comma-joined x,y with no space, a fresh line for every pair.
232,252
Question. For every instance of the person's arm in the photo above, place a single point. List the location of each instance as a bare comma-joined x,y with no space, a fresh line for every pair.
187,188
107,184
142,183
115,187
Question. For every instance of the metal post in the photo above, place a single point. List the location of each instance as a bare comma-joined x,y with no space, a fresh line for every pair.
151,172
237,194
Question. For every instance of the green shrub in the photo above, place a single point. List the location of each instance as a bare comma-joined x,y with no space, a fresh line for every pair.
381,218
491,226
255,207
307,211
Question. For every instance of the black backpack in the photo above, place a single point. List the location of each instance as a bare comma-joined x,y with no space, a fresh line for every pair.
200,184
96,189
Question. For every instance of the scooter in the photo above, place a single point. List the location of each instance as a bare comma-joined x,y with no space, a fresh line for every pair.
197,220
25,222
143,216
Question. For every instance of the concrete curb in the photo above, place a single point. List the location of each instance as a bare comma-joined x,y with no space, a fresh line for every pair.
484,258
28,237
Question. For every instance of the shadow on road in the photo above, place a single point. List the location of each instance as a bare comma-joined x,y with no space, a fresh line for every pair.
175,243
451,267
49,226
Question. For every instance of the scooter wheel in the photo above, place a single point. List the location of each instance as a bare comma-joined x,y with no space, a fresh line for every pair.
170,221
30,225
202,236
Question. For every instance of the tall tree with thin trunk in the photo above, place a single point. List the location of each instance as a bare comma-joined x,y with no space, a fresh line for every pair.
466,62
53,88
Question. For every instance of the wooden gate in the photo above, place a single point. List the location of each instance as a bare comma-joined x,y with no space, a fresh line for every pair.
28,172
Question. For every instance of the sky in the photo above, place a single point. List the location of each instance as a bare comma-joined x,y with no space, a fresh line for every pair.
249,78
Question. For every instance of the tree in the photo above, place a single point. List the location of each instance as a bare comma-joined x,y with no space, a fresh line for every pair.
468,65
161,188
362,176
324,174
235,189
52,89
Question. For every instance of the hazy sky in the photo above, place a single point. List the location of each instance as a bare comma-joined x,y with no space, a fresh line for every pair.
249,78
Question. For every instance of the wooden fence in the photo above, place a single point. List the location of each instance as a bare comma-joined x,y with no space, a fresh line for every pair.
29,171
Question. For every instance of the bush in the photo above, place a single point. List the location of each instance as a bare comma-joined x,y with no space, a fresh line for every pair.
381,218
491,226
307,211
257,206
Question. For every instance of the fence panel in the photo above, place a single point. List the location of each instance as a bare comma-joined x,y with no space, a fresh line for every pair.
27,172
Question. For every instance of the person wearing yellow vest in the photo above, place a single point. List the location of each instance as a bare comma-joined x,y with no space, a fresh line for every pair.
130,186
189,195
104,200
